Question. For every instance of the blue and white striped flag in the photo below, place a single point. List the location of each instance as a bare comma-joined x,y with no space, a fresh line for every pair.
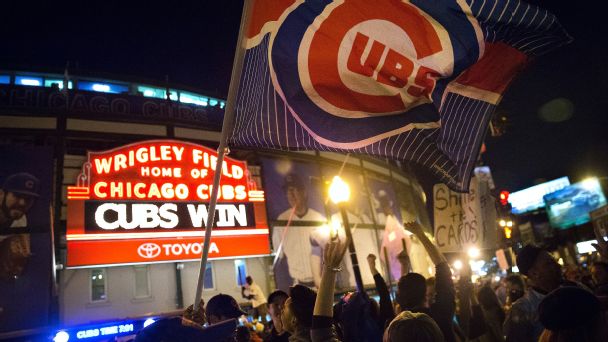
414,81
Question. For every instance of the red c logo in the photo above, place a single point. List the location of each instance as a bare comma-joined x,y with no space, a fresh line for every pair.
351,48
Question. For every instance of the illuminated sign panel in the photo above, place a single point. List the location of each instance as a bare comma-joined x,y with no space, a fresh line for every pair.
571,205
148,202
530,199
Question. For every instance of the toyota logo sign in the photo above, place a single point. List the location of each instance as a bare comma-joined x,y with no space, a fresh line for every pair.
148,250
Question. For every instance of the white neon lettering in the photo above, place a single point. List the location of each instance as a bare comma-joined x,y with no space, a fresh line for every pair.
120,161
181,191
241,192
100,216
200,191
103,165
178,151
147,215
198,215
237,172
167,191
141,155
136,189
98,191
168,214
192,249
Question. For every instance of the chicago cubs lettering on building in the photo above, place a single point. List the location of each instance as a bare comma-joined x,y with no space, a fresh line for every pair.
147,202
411,80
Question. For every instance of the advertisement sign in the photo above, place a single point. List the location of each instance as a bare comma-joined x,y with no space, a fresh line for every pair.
464,220
148,202
530,199
571,206
26,185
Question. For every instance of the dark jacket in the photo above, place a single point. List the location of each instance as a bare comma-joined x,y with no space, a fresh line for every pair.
444,307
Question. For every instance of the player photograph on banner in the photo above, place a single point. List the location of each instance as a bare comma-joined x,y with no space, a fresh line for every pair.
298,220
388,219
25,237
366,237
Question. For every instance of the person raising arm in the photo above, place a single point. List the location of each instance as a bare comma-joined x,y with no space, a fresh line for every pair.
322,327
443,308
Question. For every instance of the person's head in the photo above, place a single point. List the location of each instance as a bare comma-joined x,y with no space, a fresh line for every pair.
276,303
572,273
298,310
249,280
296,192
415,327
571,313
222,307
411,291
540,267
599,272
359,318
18,193
384,203
515,287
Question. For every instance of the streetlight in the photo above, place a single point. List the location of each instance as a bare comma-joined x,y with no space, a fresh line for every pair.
339,193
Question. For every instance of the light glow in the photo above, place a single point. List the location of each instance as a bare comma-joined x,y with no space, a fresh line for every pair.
30,82
61,336
148,322
474,252
458,264
103,88
339,191
591,183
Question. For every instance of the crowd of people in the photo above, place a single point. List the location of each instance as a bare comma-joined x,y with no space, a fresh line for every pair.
548,304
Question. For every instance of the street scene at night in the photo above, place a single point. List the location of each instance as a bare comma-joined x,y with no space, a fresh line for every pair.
313,170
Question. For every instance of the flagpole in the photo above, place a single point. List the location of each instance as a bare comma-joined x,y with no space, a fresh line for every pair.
222,149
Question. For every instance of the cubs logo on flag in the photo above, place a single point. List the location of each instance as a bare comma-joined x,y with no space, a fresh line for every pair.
408,80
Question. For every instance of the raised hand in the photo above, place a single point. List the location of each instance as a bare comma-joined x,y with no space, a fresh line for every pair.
371,262
414,227
333,254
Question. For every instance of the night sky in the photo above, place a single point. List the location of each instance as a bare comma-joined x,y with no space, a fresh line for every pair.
193,43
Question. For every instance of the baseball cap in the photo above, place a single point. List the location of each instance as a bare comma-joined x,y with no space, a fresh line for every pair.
223,305
22,183
294,181
526,258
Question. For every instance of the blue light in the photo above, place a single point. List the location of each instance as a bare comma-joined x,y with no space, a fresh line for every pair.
148,322
111,88
5,79
61,336
28,81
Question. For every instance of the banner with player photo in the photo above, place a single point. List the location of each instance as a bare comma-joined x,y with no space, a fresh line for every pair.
26,180
363,226
299,224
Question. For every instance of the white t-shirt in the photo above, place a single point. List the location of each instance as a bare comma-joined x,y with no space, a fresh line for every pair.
258,296
297,245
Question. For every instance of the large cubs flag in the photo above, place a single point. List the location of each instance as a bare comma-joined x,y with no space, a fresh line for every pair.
408,80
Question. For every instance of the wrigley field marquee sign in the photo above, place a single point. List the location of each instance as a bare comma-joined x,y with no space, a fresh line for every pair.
148,202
